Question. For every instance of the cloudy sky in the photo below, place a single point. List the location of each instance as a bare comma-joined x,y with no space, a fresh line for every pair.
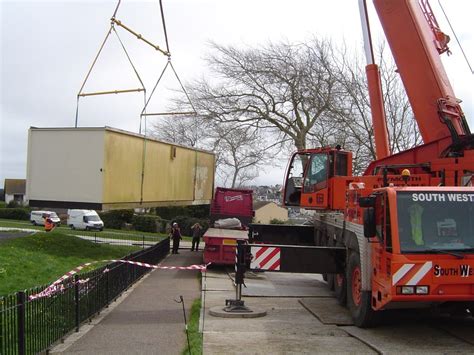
48,47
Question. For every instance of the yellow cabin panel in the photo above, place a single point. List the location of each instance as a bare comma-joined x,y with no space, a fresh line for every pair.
172,175
168,175
122,168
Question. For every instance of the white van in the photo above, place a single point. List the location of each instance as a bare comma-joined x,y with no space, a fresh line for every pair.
84,219
38,217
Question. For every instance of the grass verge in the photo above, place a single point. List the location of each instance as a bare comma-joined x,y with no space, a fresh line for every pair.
195,337
43,257
107,233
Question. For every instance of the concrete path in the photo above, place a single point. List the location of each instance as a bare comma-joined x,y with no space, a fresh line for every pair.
7,234
303,317
148,320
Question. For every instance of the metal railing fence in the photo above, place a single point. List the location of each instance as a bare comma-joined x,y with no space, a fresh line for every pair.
28,326
114,238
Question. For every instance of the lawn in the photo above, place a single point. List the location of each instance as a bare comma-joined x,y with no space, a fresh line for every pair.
107,233
26,224
41,258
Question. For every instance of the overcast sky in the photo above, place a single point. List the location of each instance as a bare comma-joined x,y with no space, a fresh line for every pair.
48,47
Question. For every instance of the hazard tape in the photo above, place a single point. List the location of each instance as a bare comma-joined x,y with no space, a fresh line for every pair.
57,285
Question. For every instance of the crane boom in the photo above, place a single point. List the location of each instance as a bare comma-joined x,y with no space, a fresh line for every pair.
416,43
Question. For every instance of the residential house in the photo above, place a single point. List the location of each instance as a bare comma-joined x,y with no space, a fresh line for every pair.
15,190
268,193
265,211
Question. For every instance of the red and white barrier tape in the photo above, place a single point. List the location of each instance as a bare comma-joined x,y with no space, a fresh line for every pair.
57,285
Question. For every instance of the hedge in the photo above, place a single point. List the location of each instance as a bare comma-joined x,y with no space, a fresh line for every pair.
147,223
116,219
15,213
170,212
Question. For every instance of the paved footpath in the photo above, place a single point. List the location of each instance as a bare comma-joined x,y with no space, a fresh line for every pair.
148,320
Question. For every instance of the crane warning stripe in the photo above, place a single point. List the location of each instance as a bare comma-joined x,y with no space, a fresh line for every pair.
401,272
415,272
420,273
260,251
265,258
269,256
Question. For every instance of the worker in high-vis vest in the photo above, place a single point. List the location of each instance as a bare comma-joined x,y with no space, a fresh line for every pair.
48,224
416,213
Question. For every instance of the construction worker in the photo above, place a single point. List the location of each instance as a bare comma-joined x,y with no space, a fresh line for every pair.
196,228
175,234
48,224
416,213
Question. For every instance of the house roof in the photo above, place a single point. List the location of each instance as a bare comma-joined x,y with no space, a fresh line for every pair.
259,204
15,186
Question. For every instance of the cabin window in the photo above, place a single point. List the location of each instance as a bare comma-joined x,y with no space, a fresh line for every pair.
379,213
341,164
317,175
430,221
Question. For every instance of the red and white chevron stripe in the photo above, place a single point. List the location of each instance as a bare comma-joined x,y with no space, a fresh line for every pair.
57,285
411,274
265,258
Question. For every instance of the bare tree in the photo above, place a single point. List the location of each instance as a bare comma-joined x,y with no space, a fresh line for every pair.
183,130
353,113
242,152
311,94
279,86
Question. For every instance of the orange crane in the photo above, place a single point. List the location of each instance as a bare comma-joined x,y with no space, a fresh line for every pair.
404,230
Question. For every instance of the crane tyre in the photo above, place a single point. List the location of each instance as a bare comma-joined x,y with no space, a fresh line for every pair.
358,301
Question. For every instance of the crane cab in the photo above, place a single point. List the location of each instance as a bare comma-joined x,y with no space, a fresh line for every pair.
422,241
317,178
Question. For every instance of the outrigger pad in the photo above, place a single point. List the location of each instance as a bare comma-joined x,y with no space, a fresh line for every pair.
236,306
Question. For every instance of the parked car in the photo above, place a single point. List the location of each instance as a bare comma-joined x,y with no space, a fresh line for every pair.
38,217
84,219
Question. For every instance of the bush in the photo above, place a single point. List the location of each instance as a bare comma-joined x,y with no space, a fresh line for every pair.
146,223
276,221
15,213
13,204
199,211
185,223
116,219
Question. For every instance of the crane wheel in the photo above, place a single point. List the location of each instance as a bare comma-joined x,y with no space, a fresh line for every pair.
358,300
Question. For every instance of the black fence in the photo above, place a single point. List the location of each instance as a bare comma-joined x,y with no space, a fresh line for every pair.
115,238
28,326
